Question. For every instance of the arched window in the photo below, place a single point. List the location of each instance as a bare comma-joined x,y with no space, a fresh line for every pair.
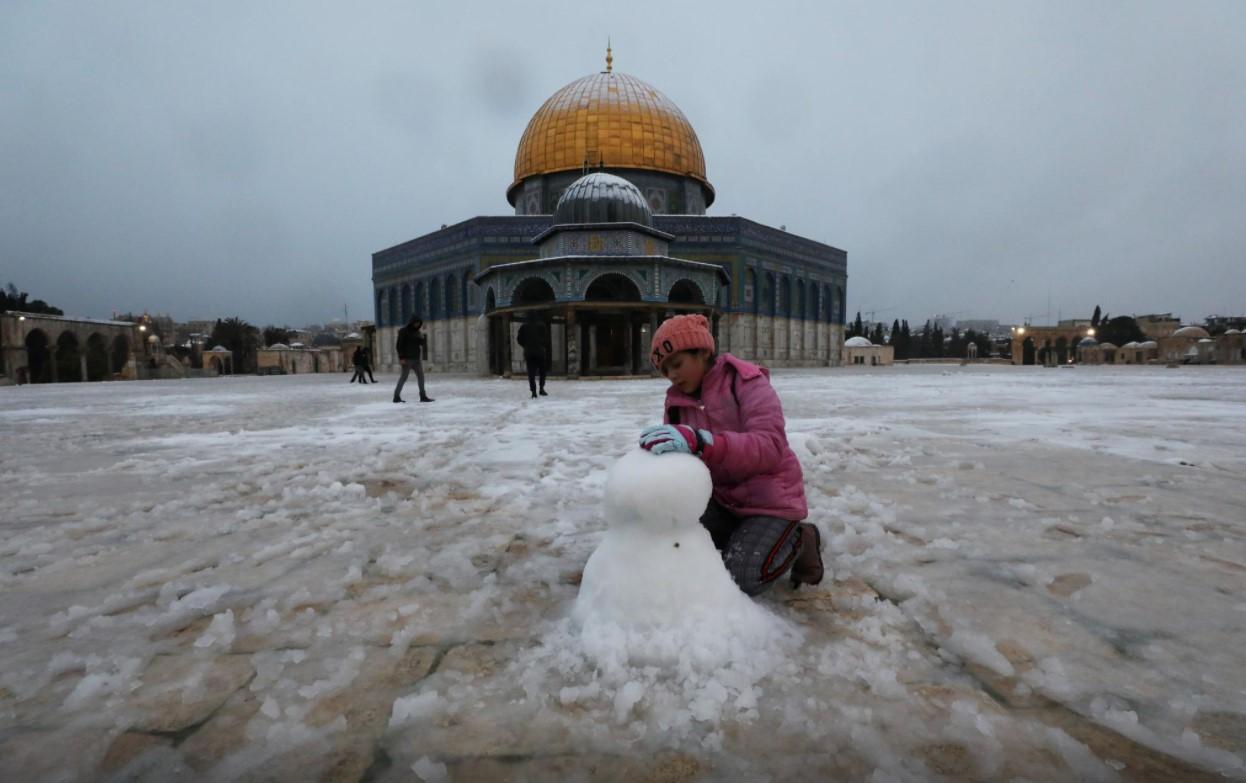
685,292
612,287
767,293
451,298
393,305
785,296
840,301
815,305
469,292
406,302
828,305
532,291
380,308
750,291
800,299
434,298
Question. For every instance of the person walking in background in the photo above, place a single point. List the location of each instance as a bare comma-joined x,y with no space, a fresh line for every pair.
533,337
367,364
410,345
358,360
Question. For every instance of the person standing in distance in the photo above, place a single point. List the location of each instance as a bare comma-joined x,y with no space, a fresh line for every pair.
533,337
410,344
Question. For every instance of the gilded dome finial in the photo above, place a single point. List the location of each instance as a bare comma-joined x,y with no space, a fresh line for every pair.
609,57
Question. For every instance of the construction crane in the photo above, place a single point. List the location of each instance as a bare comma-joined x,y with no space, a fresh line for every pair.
869,314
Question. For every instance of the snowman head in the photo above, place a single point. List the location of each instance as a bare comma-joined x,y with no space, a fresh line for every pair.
657,492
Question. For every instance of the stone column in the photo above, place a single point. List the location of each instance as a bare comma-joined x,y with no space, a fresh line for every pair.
507,372
572,338
82,366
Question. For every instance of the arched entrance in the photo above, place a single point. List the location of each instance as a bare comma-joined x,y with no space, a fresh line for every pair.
1027,351
497,335
38,357
120,354
611,334
1062,350
68,358
97,358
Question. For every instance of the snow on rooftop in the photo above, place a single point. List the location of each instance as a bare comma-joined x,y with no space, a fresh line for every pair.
857,342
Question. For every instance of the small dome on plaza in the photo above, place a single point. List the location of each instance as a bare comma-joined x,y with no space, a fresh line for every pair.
220,348
1107,346
602,198
1088,342
1130,344
858,342
1148,344
1232,331
1206,340
352,336
1191,331
279,347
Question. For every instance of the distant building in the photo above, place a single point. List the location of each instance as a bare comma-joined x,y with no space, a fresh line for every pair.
985,326
38,348
1157,325
603,264
859,352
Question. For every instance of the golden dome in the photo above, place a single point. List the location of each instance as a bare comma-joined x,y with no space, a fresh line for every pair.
614,120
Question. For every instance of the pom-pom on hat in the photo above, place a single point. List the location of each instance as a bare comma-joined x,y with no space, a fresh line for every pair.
680,333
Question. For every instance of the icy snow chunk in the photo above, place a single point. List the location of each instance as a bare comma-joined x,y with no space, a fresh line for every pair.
412,708
220,631
980,649
430,771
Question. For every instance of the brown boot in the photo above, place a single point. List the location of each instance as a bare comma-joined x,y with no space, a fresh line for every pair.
808,566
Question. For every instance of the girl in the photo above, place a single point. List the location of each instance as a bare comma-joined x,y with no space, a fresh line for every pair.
724,410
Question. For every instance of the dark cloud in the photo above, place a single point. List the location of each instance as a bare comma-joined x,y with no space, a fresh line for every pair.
971,157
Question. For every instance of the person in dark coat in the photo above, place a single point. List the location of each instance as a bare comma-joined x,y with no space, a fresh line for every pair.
411,342
367,364
533,337
358,360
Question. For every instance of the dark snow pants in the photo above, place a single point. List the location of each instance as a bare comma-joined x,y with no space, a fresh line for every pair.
536,368
755,550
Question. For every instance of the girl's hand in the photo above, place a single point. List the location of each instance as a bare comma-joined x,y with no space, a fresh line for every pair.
675,438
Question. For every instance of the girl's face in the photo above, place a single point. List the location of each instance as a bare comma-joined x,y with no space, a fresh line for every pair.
685,369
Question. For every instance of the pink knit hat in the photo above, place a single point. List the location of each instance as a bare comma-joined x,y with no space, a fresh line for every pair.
680,333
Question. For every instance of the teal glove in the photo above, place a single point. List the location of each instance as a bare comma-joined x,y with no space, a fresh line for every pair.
675,438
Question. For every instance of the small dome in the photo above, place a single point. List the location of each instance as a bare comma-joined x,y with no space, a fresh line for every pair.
279,347
352,336
1232,331
1206,340
220,348
602,198
1107,346
1191,331
1087,342
1130,344
1148,344
858,342
297,345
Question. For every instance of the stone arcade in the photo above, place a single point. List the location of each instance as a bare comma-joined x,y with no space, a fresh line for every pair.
609,236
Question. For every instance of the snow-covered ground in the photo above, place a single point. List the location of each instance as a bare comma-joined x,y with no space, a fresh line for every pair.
1038,574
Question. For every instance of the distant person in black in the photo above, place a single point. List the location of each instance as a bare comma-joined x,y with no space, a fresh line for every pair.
409,346
534,338
357,358
367,364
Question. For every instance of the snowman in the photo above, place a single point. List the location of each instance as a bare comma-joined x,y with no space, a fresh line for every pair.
657,568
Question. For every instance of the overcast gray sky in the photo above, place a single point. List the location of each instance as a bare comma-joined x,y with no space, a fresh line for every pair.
216,159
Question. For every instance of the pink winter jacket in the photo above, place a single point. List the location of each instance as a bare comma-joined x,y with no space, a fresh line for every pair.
753,469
